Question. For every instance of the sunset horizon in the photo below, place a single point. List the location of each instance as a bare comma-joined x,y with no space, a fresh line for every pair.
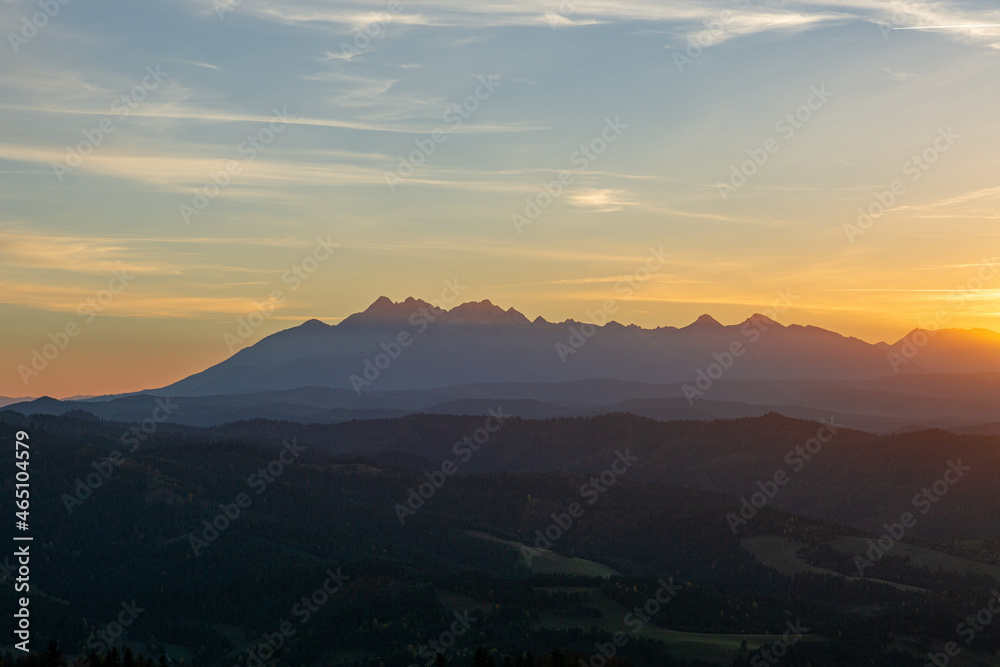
209,176
533,333
264,320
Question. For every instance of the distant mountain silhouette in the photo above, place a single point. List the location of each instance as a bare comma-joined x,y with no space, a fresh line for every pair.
7,400
415,345
402,358
948,350
963,403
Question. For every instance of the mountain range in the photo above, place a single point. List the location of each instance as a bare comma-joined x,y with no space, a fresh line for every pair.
412,356
415,345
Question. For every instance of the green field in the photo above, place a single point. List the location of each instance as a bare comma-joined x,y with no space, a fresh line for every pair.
549,562
921,556
720,648
782,554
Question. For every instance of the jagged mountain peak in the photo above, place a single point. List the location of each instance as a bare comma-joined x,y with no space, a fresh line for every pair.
760,319
384,309
480,342
484,312
705,322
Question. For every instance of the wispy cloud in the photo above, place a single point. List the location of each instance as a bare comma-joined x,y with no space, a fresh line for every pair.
599,199
198,64
978,204
758,18
177,112
751,22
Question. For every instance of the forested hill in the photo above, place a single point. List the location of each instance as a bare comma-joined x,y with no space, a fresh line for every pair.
850,477
218,537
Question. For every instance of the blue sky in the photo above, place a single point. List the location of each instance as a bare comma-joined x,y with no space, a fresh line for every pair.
561,72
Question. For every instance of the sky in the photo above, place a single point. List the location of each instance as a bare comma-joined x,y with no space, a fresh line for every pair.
171,167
